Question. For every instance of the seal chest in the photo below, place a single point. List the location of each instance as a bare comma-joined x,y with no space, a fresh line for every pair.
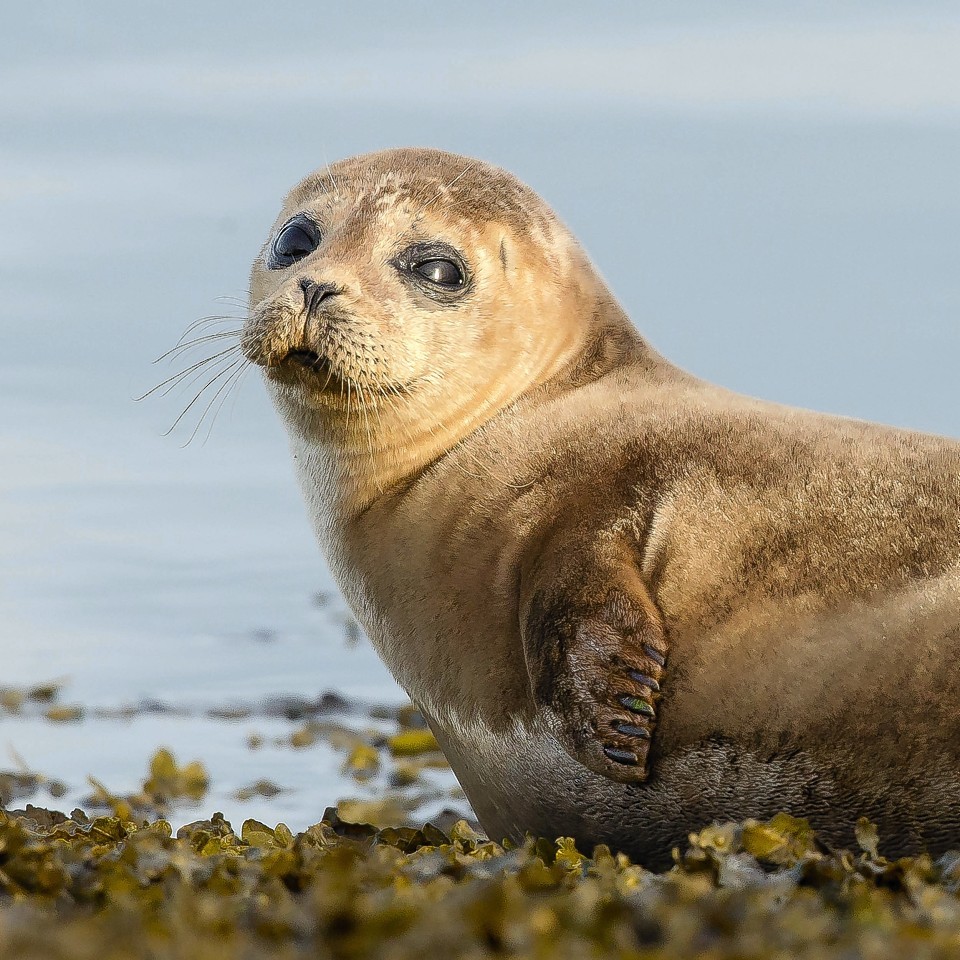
628,601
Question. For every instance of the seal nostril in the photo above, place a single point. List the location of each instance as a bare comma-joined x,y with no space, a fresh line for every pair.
315,293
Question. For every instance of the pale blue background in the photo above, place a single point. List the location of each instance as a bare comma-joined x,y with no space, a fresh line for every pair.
771,189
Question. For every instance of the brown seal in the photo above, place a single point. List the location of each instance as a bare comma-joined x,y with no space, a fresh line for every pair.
628,601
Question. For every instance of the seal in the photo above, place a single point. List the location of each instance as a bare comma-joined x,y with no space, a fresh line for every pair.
628,602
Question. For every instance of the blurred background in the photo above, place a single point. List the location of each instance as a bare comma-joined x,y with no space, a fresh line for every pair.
771,190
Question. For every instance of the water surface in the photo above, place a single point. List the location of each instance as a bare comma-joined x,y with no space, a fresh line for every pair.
773,197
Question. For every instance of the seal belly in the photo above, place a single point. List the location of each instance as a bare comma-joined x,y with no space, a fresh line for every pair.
527,783
875,739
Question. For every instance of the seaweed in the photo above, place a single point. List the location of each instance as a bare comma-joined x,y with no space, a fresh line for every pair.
82,887
370,879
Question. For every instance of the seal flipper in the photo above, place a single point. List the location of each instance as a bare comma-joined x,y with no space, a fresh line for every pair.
596,660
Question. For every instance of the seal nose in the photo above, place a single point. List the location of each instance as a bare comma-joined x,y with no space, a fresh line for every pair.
315,293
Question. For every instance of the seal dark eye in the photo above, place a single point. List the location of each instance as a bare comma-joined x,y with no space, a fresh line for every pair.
435,269
298,239
444,272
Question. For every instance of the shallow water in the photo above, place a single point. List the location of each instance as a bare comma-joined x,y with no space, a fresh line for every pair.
790,230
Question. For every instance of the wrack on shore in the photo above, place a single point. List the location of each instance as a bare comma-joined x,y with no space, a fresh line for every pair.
106,887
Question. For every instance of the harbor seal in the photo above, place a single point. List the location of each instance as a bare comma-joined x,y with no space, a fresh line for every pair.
628,602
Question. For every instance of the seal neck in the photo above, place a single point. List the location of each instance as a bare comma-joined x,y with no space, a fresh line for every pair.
348,464
349,461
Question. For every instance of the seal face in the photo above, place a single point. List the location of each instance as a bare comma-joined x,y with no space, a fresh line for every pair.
628,601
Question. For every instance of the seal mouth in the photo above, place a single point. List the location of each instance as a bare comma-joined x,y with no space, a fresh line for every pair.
309,359
317,373
310,369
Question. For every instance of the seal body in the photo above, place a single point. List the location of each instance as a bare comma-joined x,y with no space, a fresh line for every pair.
629,602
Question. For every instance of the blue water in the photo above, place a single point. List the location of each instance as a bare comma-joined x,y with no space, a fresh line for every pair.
773,195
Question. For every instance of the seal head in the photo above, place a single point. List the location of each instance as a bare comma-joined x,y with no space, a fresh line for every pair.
405,297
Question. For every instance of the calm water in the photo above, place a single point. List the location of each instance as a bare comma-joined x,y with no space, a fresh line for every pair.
774,198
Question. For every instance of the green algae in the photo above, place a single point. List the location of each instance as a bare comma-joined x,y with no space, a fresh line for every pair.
369,880
388,753
81,887
17,785
166,782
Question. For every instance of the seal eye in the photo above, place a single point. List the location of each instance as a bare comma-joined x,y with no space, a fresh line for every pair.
298,239
443,272
436,270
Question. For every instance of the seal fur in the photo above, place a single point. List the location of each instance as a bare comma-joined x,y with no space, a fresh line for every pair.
628,601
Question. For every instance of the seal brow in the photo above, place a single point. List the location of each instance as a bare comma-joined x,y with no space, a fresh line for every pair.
447,186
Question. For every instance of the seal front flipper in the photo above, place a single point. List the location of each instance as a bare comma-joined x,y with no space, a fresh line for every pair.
596,656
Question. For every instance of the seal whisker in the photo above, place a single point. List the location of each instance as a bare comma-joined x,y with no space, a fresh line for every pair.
470,166
221,364
175,380
332,179
391,398
329,378
213,399
177,377
222,390
201,391
207,321
232,385
183,347
195,375
386,401
366,419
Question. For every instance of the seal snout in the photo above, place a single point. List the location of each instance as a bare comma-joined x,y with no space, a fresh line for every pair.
315,294
282,333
